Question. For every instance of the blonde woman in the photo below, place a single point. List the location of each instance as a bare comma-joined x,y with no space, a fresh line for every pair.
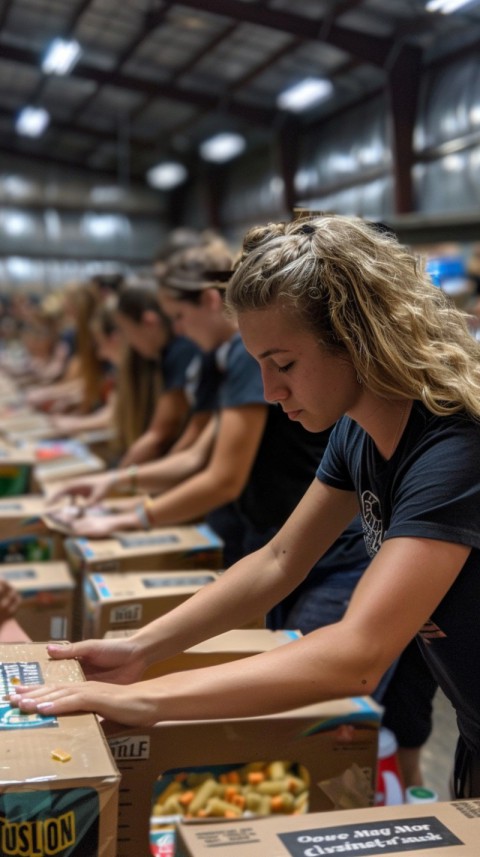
347,328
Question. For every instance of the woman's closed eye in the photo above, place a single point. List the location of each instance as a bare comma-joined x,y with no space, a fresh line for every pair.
285,368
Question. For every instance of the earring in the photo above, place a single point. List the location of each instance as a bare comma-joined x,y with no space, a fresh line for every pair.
359,380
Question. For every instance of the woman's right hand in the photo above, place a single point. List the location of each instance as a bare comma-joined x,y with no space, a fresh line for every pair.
117,661
91,488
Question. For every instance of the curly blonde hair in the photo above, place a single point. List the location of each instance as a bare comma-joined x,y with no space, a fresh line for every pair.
358,290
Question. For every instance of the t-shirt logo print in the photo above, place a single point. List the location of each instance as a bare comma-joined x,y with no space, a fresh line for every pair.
371,522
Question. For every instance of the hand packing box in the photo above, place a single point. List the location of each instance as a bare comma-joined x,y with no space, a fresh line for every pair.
183,547
115,601
434,830
333,744
58,782
47,592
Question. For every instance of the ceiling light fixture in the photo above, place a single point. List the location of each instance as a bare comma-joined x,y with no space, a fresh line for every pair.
61,56
167,175
446,7
222,147
305,94
32,121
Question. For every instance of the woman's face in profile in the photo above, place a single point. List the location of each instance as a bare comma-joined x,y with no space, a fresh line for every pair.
147,337
313,385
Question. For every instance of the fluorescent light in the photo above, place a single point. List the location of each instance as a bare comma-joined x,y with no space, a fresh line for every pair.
106,194
222,147
105,226
32,121
17,186
61,56
167,175
305,94
16,223
446,6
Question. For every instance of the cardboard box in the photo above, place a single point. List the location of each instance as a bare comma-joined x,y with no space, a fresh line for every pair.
115,601
48,806
24,531
20,514
47,592
435,829
66,467
27,425
182,547
16,470
221,649
98,441
166,549
335,742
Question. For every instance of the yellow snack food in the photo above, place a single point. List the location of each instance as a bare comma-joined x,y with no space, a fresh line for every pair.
257,788
60,755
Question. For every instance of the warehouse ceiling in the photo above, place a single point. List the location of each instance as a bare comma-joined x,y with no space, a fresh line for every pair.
155,78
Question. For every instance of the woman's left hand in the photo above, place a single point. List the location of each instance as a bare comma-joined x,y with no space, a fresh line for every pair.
101,526
132,704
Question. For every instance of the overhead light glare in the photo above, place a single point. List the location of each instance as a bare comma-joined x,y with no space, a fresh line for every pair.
61,56
305,94
32,121
446,7
167,175
222,147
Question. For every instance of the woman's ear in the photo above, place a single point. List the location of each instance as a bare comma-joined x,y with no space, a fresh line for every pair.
211,299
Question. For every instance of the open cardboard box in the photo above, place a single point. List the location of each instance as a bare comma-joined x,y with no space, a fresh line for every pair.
436,830
49,806
47,593
335,743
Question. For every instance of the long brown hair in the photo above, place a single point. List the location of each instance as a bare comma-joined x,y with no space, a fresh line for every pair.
358,290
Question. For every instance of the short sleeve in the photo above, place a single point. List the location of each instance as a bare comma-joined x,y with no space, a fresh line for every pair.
176,358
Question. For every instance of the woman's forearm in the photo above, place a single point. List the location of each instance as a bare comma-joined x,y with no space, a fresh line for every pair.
326,664
248,589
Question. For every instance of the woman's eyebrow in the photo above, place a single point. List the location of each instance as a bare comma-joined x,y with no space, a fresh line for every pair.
272,351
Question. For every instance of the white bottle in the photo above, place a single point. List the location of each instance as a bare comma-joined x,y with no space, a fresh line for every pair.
420,794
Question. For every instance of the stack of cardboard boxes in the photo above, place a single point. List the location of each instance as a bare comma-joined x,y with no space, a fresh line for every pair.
58,783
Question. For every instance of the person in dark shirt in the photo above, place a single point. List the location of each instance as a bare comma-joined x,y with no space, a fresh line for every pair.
348,330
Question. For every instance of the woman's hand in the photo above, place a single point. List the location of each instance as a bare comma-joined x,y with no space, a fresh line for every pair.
91,488
100,526
66,423
118,661
134,704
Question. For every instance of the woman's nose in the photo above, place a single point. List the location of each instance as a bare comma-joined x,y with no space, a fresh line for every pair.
274,392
